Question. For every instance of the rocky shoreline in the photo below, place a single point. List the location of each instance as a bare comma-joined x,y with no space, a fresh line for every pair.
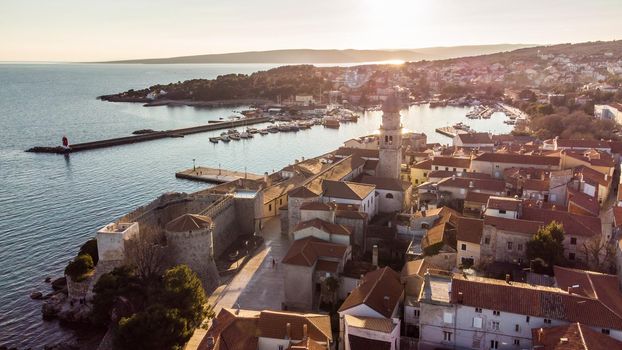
176,103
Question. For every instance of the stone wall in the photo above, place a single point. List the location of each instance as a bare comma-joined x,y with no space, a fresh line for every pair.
78,290
194,249
223,214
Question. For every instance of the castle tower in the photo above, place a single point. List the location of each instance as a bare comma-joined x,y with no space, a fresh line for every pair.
390,139
190,242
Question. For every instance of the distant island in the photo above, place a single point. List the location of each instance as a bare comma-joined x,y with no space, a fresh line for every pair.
335,56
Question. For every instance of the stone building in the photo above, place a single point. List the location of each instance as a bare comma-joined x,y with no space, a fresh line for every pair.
189,238
390,139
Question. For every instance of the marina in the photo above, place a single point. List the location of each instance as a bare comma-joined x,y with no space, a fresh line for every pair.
450,131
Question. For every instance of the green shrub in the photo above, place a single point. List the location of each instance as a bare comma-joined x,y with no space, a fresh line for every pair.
90,247
80,267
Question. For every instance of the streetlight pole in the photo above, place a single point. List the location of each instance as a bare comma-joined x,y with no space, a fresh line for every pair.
194,165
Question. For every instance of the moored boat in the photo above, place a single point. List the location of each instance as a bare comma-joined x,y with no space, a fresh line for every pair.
225,138
214,139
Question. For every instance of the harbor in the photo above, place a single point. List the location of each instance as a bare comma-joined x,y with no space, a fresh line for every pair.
147,137
450,131
214,175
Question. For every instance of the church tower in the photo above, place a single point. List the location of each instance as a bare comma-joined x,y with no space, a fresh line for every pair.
390,139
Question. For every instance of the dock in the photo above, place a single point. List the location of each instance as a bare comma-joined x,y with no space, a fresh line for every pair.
214,175
148,137
450,131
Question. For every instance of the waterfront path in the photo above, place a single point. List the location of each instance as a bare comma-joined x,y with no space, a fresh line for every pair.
215,175
257,286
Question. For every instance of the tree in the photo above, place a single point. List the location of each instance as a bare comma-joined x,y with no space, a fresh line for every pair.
182,290
547,245
600,255
90,247
158,327
146,254
120,282
79,269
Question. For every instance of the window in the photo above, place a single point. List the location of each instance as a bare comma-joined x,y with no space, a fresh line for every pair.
281,201
497,166
605,331
527,319
517,342
446,168
448,317
416,312
494,325
446,336
571,256
516,328
454,169
269,207
502,211
510,244
436,168
389,195
486,240
519,247
478,310
386,138
494,344
573,240
463,246
416,181
547,321
477,322
496,312
425,174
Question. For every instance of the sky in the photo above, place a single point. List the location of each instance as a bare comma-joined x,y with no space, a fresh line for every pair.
79,30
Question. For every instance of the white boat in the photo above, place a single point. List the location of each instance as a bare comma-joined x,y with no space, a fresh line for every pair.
214,139
225,138
235,137
263,131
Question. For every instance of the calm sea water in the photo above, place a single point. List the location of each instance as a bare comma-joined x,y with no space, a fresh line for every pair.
51,204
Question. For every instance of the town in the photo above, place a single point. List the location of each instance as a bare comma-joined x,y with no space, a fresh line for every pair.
491,241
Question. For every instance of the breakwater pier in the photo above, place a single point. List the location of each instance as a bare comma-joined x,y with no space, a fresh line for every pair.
214,175
148,137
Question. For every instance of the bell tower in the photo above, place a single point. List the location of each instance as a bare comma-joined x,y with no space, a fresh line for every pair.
390,139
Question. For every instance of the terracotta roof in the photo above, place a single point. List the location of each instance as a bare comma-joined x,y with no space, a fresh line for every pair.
535,301
307,251
513,225
503,203
518,159
371,164
384,325
462,174
596,177
478,184
475,138
302,192
360,152
315,206
470,230
380,290
536,185
328,227
576,143
600,286
617,215
307,344
386,183
477,197
273,324
583,200
574,224
424,164
461,163
346,190
189,222
573,336
434,235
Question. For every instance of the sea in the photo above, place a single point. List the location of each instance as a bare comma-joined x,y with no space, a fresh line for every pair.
50,204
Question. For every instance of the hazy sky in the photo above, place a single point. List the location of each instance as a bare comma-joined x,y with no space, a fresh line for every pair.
83,30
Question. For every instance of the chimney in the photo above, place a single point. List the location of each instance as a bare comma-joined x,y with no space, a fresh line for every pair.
374,255
540,331
304,331
302,159
471,184
569,289
563,340
453,177
288,331
385,302
266,178
210,342
507,278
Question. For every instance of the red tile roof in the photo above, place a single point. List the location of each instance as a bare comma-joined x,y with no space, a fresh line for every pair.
576,143
328,227
513,225
452,162
477,197
479,184
360,152
386,183
470,230
503,203
574,336
381,290
346,190
574,224
424,164
476,138
306,251
526,299
519,159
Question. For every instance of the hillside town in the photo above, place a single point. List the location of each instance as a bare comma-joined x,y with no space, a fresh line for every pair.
391,242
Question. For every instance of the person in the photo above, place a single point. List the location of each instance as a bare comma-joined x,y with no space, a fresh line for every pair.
273,263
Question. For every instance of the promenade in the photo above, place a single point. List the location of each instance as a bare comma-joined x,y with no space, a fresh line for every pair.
258,285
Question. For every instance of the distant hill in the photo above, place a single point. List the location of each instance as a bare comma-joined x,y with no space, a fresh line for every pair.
335,56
